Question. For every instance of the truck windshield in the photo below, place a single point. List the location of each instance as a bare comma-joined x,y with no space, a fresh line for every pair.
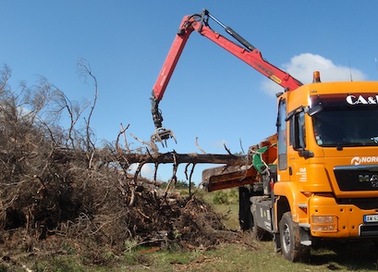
346,126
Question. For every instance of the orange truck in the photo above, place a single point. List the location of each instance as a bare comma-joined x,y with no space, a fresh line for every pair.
317,177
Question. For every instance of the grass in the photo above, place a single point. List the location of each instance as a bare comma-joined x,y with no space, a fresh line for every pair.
225,258
240,258
229,208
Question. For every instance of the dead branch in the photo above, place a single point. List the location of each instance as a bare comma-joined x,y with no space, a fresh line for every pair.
84,65
174,175
190,176
226,148
132,188
121,132
123,129
155,173
150,144
197,145
241,146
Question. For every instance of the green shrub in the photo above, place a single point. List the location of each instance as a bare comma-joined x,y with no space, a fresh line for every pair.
226,197
221,197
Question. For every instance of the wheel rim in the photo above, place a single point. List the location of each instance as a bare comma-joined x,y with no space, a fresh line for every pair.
286,238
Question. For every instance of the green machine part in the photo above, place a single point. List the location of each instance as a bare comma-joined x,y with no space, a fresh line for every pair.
257,161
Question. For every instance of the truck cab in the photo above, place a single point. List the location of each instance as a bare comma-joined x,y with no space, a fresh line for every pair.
326,183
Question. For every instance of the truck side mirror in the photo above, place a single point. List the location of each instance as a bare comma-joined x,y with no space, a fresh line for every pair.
298,134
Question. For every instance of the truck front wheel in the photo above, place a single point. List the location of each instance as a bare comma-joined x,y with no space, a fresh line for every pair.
290,239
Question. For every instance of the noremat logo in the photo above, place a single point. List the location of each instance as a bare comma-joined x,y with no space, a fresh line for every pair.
359,160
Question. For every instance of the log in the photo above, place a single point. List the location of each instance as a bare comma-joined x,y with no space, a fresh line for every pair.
125,157
173,157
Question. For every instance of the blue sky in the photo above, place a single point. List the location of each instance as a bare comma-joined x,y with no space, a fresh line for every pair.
212,95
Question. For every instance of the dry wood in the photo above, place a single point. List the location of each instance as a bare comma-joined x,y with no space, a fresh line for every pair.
173,157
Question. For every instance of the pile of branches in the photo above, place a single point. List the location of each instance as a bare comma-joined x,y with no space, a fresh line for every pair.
61,193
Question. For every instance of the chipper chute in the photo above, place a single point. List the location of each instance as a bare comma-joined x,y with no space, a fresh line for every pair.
261,160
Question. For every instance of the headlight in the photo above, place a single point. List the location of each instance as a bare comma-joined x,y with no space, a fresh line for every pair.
324,223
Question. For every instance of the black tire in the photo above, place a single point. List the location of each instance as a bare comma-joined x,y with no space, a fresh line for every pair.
290,240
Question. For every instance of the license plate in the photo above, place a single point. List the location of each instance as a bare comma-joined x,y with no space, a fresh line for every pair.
371,218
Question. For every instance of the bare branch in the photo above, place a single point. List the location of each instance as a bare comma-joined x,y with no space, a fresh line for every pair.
190,176
226,148
124,136
85,67
197,145
122,132
151,144
5,76
241,146
174,174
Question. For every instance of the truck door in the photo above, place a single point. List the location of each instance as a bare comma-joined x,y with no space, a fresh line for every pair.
282,141
297,140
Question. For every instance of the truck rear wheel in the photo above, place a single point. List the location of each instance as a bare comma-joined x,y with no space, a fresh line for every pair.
290,239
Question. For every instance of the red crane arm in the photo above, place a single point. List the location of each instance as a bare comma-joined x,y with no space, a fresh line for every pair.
254,59
173,57
250,55
244,51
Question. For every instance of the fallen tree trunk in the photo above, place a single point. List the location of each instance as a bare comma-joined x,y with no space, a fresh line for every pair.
177,158
125,157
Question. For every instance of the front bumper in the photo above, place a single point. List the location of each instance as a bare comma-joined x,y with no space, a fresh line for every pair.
329,219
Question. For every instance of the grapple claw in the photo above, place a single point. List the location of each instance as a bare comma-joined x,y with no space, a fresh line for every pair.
162,135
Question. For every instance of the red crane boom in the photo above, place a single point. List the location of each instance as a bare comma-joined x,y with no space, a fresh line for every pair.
244,51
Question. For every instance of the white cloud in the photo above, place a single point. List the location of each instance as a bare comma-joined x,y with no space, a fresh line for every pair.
302,67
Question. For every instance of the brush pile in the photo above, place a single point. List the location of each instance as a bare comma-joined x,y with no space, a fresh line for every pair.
59,193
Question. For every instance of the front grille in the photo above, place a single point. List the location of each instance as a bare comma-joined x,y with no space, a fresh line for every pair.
369,230
357,177
361,203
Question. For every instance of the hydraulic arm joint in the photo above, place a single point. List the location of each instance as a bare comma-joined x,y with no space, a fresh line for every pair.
161,134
